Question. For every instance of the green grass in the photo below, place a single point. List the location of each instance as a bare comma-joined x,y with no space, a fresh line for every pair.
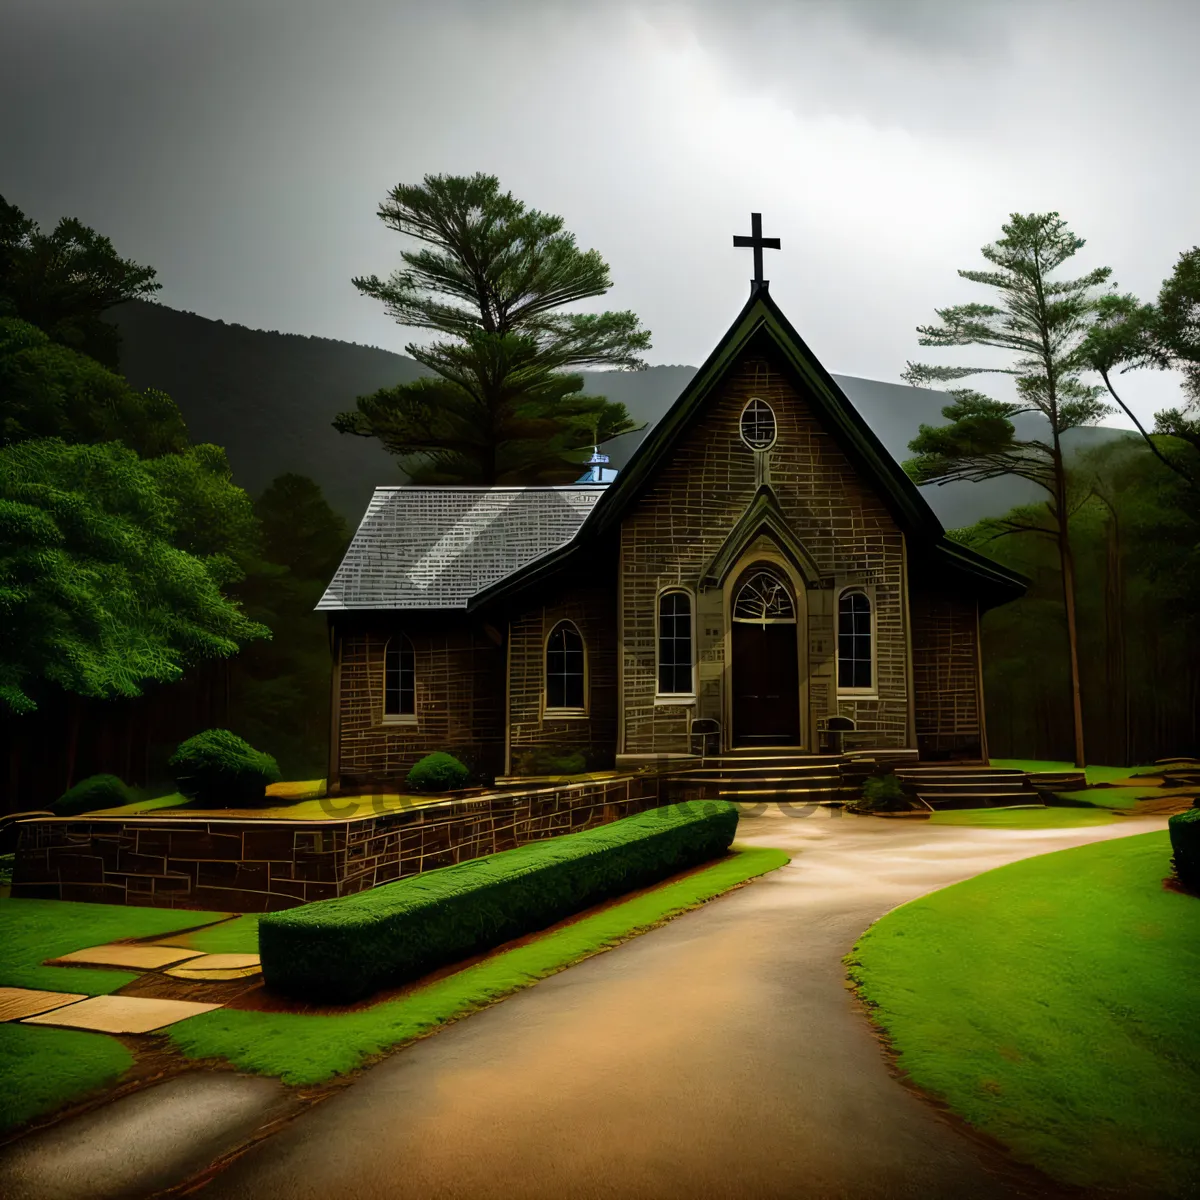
43,1069
239,936
1023,818
1115,797
1094,774
305,1049
1052,1004
34,930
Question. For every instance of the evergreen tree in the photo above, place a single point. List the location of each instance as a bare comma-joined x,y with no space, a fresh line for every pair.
501,405
1042,322
63,281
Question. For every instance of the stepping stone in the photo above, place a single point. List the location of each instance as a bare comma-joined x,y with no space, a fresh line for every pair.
139,958
121,1014
17,1003
218,966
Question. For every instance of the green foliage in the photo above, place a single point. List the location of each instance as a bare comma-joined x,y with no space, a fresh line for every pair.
88,795
63,281
300,530
438,772
47,390
555,761
502,407
997,995
94,596
218,769
1185,844
341,950
883,793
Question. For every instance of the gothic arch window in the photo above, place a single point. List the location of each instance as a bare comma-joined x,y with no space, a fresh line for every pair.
399,680
856,642
758,425
763,599
566,669
675,655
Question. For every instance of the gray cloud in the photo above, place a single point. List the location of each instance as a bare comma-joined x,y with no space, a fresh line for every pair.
243,147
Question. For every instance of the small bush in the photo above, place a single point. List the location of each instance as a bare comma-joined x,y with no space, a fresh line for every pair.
97,791
883,793
438,773
218,769
341,950
1185,844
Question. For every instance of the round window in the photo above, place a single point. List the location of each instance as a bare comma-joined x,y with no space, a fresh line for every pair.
758,424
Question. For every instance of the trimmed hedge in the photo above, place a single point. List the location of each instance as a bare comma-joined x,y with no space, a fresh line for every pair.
1185,843
438,772
97,791
341,950
218,769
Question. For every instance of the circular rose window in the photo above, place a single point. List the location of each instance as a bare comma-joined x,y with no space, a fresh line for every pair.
758,424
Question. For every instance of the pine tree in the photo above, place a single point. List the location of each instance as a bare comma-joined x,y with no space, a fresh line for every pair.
1042,322
501,404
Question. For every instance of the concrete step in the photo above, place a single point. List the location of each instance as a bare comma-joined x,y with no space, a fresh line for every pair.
757,780
966,785
790,793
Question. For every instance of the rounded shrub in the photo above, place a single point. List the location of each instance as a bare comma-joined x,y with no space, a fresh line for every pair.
218,769
1185,844
88,795
883,793
438,772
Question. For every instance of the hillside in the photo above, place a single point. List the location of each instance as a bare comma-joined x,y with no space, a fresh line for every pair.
270,398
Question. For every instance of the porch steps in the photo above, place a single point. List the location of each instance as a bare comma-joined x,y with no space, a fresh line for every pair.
946,787
758,773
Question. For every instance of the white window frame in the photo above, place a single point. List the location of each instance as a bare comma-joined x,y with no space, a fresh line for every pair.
774,425
681,698
867,693
399,718
564,714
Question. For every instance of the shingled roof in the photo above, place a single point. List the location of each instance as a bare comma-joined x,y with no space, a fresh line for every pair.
437,547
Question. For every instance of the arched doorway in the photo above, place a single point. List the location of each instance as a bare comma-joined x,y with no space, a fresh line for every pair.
766,673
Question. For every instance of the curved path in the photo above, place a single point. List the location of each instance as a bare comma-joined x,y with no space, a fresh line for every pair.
718,1056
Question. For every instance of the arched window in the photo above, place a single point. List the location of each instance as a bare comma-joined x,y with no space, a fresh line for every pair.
565,668
675,644
762,598
855,672
758,424
399,679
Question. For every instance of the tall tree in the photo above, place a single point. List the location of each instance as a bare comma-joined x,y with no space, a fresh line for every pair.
64,280
1128,335
1042,323
501,405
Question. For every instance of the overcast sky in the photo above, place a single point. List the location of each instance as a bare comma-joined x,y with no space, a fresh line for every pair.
241,147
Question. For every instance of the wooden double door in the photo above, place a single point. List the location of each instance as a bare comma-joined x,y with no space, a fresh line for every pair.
765,663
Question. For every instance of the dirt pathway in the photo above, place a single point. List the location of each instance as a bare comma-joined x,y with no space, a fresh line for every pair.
720,1056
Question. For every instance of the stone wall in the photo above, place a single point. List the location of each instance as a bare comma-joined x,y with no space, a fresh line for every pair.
247,865
946,680
459,697
691,507
532,731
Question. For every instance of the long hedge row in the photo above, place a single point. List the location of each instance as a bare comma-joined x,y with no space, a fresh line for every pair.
337,951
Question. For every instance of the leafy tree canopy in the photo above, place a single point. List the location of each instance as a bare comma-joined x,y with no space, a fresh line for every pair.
47,390
299,529
492,276
94,596
63,281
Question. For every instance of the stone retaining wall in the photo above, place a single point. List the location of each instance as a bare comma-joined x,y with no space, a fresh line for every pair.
243,864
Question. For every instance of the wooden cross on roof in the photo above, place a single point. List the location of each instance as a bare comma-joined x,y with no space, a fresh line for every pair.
758,243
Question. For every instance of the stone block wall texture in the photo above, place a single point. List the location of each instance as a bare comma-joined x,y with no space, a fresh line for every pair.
686,514
532,730
247,865
946,676
459,698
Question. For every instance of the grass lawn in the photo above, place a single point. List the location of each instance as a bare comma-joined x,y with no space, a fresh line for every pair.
34,930
239,936
1052,1004
1094,774
307,1048
1115,797
43,1069
1024,818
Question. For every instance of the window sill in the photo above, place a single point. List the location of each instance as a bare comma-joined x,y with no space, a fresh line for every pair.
869,694
564,714
405,719
680,701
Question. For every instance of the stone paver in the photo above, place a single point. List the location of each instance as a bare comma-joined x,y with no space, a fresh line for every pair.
218,966
144,1142
121,1014
17,1003
133,957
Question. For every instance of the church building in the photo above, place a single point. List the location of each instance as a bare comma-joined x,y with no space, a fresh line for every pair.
760,574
